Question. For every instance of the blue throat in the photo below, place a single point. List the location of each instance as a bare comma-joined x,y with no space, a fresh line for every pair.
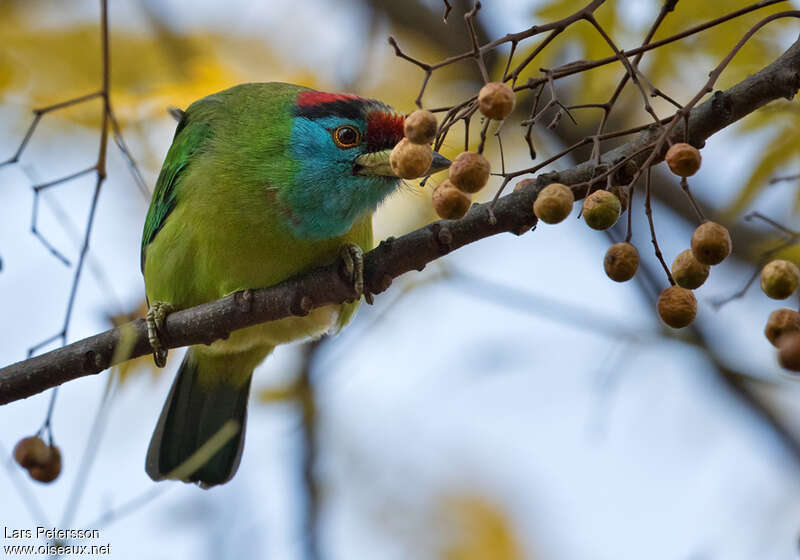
326,198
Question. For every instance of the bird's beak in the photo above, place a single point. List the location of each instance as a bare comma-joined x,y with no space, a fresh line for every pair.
377,163
439,163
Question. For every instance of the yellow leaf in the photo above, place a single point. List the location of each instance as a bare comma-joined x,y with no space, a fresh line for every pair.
148,73
475,529
707,49
783,148
289,393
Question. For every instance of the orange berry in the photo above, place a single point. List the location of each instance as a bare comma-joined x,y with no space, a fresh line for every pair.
553,203
449,202
779,278
781,322
420,127
688,272
789,351
31,451
409,160
470,172
496,100
683,159
677,307
50,470
711,243
621,262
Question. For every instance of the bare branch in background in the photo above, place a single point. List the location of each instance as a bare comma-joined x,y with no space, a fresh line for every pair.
99,169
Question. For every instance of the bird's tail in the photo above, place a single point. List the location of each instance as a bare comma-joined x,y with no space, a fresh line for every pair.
208,392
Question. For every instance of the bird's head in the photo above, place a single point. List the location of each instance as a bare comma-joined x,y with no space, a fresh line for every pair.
341,144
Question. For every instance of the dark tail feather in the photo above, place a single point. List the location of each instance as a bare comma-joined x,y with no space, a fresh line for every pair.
193,413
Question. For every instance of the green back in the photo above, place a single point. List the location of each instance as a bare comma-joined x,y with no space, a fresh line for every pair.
214,124
190,136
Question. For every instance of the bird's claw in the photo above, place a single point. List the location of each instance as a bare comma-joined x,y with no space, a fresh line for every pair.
352,258
155,322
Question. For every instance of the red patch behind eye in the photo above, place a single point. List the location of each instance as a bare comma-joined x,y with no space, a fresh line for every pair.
307,98
384,130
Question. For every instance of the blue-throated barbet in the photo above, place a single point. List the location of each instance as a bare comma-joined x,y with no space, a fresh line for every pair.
262,182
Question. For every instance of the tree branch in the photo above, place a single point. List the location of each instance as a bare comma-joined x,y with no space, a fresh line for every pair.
296,296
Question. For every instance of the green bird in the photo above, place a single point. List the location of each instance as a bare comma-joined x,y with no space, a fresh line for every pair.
262,182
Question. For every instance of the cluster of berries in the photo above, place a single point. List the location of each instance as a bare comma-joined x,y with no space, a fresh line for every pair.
779,280
469,172
710,243
783,331
42,461
412,156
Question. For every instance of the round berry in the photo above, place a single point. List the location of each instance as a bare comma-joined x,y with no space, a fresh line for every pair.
469,172
601,210
781,322
789,351
496,100
688,272
779,279
621,262
31,451
50,470
683,159
553,203
420,127
677,307
410,161
711,243
449,202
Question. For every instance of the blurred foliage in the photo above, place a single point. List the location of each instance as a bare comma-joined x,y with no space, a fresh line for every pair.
780,120
673,65
584,36
146,77
475,529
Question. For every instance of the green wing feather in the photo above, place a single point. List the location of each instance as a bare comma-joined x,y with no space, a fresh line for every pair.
191,135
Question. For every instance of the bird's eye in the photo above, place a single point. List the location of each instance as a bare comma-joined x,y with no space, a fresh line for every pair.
346,136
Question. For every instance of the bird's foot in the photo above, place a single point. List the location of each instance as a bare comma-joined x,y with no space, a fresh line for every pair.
155,322
352,269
